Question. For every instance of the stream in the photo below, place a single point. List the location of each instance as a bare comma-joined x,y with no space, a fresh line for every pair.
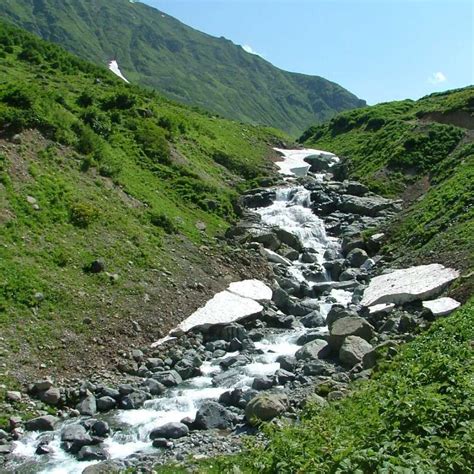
290,211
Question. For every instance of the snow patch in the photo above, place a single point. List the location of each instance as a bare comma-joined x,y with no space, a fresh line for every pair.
293,163
114,67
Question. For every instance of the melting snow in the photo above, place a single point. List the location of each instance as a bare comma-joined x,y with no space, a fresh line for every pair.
114,67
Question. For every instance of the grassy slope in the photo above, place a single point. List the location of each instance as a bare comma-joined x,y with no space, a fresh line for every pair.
187,65
117,173
414,416
422,151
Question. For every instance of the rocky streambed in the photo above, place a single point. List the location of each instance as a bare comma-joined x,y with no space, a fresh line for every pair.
257,350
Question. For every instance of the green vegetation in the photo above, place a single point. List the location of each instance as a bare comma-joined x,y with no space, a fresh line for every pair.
414,415
100,169
421,151
156,50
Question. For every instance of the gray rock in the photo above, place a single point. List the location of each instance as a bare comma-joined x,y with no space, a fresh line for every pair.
349,274
5,449
42,423
74,438
155,387
313,320
92,453
353,350
313,350
105,403
317,367
134,400
262,383
265,407
13,396
289,239
107,467
269,240
186,369
349,326
338,312
110,392
310,336
213,415
101,428
51,396
287,362
282,377
168,378
162,443
88,406
42,385
172,430
356,257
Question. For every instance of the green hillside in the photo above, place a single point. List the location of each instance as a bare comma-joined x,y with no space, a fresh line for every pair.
91,168
158,51
423,152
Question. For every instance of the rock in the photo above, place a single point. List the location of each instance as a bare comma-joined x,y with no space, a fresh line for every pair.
13,396
17,140
308,257
410,284
309,337
51,396
43,448
313,320
97,266
125,389
350,274
287,362
232,398
262,383
168,378
356,189
162,443
110,392
105,403
353,350
92,453
441,306
5,449
107,467
88,406
273,257
289,239
101,428
42,385
186,369
319,163
368,206
42,423
349,326
258,198
313,350
282,377
74,437
155,387
317,367
268,240
172,430
213,415
381,309
357,257
265,407
134,400
3,434
303,307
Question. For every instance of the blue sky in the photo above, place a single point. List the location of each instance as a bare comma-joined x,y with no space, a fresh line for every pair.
378,49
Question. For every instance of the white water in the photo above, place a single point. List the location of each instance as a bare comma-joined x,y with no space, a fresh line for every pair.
290,211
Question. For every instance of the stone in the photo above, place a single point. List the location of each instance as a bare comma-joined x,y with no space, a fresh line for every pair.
268,240
173,430
282,377
168,378
110,392
355,188
287,362
88,406
42,385
51,396
5,449
309,337
289,239
212,415
273,257
155,387
91,453
441,306
13,396
313,320
42,423
265,407
319,163
101,428
349,326
313,350
107,467
357,257
162,443
409,284
106,403
350,274
125,389
381,309
317,367
368,206
134,400
74,437
97,266
262,383
353,350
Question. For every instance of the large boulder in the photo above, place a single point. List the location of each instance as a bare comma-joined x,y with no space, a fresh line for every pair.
352,326
88,406
42,423
134,400
74,437
268,240
106,467
265,407
313,320
171,430
368,206
410,284
213,415
92,453
168,378
338,312
51,396
317,349
289,239
356,257
353,350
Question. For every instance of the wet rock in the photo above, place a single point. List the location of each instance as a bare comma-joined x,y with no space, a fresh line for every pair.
92,453
5,449
43,448
232,398
308,257
234,361
287,362
105,403
317,367
134,400
350,274
282,377
155,387
213,415
186,369
172,430
217,345
100,428
74,437
349,326
289,239
265,407
313,350
107,467
268,240
356,257
303,308
42,423
353,350
313,320
262,383
168,378
278,320
310,336
88,406
258,198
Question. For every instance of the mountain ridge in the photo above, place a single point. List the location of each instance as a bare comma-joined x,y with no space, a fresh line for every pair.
156,50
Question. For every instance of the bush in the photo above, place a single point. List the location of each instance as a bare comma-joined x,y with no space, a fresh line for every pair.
152,140
164,222
83,214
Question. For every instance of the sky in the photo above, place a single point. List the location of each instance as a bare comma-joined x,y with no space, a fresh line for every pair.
380,50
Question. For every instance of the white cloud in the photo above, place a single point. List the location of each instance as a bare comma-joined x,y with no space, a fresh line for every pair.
250,50
437,78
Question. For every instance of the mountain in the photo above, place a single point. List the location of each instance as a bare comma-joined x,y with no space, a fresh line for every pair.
94,169
156,50
422,152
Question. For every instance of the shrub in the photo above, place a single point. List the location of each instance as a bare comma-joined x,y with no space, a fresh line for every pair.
153,141
83,214
161,220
